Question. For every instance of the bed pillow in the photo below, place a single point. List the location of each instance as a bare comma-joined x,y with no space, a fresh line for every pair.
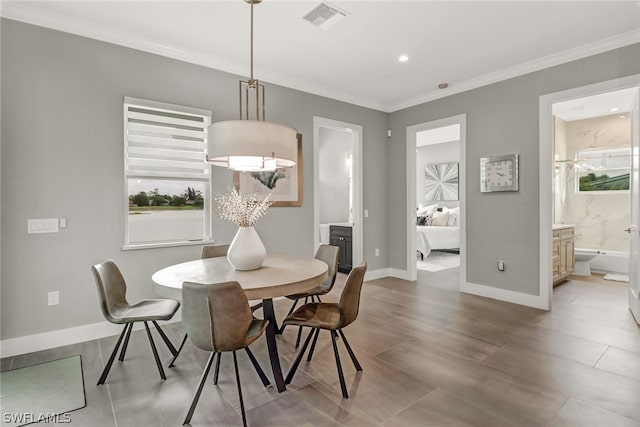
423,220
454,216
426,210
440,219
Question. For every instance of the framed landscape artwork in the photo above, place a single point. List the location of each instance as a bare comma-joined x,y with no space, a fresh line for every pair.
285,185
441,181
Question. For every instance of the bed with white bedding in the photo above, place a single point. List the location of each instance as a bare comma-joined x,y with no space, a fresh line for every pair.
435,237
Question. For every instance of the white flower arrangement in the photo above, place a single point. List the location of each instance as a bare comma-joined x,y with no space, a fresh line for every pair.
242,210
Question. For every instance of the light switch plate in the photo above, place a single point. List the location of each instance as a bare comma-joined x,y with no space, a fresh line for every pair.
44,225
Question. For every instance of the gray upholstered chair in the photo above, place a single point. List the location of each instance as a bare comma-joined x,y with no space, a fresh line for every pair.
112,291
333,317
208,251
214,251
217,318
329,254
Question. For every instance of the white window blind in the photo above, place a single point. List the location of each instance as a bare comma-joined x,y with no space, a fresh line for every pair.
167,179
163,140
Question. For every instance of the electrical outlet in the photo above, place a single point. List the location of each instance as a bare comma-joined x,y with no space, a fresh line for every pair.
366,213
500,265
377,251
53,298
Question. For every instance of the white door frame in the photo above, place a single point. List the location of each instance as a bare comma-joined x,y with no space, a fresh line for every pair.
546,179
634,226
358,210
412,270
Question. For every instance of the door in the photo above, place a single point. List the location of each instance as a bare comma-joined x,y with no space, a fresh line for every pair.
634,230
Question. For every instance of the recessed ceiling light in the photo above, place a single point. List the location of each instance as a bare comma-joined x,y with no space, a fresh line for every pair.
443,85
403,58
613,110
622,117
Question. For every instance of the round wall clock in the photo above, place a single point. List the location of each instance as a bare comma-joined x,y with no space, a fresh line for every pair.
499,173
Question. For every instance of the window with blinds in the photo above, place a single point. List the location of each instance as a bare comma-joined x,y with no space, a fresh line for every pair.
167,177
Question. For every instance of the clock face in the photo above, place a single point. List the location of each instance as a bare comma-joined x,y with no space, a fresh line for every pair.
499,173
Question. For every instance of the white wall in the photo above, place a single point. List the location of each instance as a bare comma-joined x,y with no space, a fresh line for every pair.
333,175
600,218
444,152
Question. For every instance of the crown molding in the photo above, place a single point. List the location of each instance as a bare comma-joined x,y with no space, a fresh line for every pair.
24,12
600,46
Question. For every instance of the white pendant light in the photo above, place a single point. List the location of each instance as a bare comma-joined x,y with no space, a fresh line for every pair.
252,145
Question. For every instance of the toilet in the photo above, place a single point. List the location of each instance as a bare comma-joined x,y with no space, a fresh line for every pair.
582,266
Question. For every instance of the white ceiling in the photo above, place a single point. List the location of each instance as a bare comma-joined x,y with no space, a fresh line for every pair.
603,104
465,44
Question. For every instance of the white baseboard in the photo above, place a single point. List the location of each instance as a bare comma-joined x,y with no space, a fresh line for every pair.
376,274
62,337
520,298
399,274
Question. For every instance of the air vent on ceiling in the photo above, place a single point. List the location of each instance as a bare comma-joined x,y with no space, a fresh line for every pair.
325,15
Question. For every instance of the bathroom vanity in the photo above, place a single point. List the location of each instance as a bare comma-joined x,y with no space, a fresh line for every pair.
563,252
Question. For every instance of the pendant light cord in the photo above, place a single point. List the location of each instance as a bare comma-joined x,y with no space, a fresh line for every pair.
251,80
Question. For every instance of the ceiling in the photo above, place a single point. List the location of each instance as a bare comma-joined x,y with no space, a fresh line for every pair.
617,102
464,44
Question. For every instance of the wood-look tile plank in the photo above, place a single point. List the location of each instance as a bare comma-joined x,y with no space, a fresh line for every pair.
436,368
443,408
608,316
603,389
558,344
617,337
577,413
621,362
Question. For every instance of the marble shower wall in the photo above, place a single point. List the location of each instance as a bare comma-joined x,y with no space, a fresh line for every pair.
600,218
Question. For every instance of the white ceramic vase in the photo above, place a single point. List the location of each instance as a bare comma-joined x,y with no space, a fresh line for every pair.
246,252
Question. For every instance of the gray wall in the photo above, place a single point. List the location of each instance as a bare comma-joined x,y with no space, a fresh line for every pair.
501,118
444,152
62,156
333,175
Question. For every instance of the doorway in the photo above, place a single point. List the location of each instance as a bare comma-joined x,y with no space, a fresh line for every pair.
338,189
431,174
577,172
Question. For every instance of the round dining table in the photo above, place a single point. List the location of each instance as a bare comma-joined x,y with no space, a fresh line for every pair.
280,275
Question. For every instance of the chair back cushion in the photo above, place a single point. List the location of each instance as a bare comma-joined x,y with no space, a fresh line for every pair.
214,251
350,298
112,289
216,316
329,254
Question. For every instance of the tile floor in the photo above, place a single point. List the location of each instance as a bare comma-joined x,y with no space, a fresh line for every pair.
431,357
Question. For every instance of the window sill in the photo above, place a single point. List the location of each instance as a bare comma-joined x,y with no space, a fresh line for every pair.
166,245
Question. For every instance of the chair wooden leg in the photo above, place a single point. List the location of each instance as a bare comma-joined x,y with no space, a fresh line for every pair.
164,337
293,307
351,353
244,416
196,396
261,374
107,368
155,352
126,342
173,361
215,375
313,344
294,367
343,385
